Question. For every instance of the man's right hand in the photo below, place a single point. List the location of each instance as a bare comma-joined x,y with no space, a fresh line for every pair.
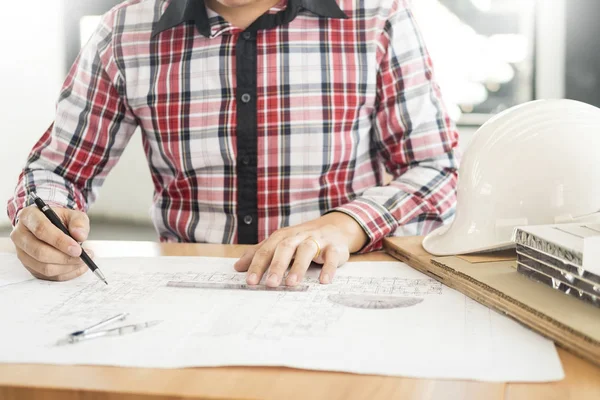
45,250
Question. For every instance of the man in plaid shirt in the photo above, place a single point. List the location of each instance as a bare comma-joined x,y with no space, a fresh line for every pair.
265,122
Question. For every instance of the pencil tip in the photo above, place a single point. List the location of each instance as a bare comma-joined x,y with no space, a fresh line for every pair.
106,282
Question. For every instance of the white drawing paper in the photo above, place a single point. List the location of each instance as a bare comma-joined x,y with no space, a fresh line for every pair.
380,318
11,270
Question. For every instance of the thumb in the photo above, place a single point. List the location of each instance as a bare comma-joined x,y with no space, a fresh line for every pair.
78,225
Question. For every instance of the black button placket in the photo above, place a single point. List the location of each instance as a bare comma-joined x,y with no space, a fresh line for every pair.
247,211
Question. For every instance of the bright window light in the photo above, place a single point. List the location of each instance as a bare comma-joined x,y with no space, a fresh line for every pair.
482,5
87,26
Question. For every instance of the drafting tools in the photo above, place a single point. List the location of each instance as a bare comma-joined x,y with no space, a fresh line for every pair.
235,286
371,302
92,332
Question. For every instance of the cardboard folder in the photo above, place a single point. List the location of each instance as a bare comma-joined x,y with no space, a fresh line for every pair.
493,280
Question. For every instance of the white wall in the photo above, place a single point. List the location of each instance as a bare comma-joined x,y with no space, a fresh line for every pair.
127,192
31,74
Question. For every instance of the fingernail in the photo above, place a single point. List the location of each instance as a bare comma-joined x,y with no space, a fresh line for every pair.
292,279
326,279
273,280
74,251
252,279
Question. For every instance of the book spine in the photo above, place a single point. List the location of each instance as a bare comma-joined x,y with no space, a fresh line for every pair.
552,249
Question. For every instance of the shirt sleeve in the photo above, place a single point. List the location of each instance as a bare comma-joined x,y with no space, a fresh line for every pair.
92,127
415,139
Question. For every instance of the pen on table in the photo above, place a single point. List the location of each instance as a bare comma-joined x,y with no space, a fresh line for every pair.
51,215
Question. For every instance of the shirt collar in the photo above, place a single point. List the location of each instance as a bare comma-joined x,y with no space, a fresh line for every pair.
180,11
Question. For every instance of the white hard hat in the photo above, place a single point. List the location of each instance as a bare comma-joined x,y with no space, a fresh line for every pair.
533,164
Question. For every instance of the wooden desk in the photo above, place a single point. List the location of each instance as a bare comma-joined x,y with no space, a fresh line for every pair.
107,383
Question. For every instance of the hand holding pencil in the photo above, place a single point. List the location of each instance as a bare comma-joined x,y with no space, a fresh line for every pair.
47,242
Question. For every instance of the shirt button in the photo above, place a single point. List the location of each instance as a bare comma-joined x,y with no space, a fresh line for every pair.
245,160
248,219
247,35
246,98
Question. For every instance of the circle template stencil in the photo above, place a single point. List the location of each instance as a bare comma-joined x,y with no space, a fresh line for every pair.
372,302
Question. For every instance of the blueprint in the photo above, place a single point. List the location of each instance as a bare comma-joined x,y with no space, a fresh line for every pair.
376,318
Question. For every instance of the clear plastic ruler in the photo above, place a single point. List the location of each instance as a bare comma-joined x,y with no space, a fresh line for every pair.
235,286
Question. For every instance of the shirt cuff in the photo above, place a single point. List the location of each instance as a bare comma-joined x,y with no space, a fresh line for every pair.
22,200
374,219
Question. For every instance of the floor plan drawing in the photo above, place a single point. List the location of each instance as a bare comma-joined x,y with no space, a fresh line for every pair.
375,318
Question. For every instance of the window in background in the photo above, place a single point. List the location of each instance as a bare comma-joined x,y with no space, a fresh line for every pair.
483,53
87,27
583,51
81,17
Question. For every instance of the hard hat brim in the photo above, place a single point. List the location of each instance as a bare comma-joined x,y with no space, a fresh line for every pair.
444,242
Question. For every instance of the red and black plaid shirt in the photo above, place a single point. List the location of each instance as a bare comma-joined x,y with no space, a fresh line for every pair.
250,131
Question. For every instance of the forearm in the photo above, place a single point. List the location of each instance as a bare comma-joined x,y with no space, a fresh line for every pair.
415,137
416,202
355,234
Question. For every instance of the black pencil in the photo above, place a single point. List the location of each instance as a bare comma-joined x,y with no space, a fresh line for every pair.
51,215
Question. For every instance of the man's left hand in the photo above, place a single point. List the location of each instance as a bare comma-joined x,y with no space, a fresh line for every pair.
328,240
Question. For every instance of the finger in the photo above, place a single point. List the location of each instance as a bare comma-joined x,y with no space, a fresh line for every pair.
333,259
41,227
262,258
304,255
243,263
60,278
35,274
40,251
78,224
90,253
72,275
45,271
281,260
